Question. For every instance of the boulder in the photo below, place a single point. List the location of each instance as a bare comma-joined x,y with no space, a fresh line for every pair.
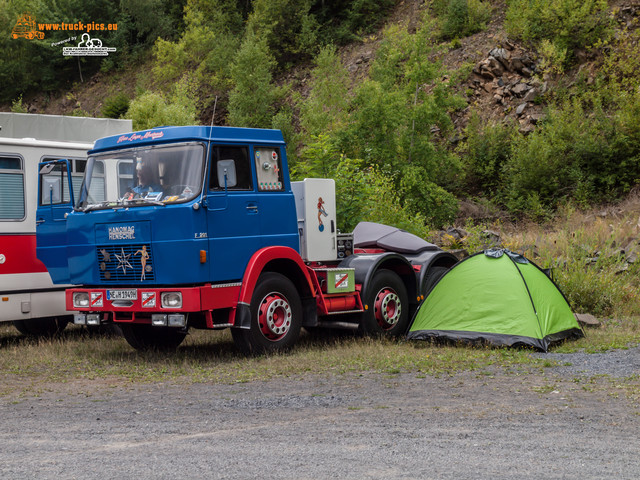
491,238
587,319
531,95
502,56
520,89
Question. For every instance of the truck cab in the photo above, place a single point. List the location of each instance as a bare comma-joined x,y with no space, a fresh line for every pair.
206,230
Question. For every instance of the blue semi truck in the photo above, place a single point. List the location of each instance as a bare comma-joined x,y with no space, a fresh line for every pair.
201,227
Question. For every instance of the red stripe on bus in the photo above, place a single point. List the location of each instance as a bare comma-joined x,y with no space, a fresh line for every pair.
18,255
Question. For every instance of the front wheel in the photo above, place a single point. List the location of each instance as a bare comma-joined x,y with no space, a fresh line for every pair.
41,327
276,316
148,337
387,302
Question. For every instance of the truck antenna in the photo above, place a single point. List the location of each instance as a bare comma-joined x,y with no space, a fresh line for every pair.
215,104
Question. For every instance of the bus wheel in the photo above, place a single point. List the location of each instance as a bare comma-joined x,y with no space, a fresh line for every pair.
387,306
148,337
41,327
276,316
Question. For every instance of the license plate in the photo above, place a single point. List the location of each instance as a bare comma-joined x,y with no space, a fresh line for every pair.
122,294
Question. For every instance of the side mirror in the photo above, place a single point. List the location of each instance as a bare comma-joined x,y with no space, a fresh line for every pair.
226,170
51,191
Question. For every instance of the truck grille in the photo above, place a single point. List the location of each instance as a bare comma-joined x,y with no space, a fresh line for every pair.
126,263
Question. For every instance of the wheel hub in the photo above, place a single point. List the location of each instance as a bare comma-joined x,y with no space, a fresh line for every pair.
274,316
387,308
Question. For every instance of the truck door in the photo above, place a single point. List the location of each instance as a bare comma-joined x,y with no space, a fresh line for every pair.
233,214
55,201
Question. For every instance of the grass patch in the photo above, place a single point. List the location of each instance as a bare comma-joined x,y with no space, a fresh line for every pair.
211,357
32,366
569,246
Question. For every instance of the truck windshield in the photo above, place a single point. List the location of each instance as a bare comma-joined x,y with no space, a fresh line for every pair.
156,175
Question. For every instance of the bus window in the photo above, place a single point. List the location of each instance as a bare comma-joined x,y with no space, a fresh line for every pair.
11,188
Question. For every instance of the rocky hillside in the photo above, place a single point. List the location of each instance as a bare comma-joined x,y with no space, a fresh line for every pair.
504,82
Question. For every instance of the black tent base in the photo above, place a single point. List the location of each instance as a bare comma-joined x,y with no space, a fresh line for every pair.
495,339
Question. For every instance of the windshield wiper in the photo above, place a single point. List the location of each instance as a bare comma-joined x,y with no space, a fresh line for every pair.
122,203
143,201
96,206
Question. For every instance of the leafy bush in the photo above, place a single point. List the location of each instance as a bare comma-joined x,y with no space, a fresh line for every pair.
621,64
423,196
484,154
460,18
581,152
366,194
116,106
565,24
17,106
152,109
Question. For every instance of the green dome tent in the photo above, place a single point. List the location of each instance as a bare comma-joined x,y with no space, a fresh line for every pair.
496,297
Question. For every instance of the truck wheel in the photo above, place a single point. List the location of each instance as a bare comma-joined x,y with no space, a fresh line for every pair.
276,316
388,306
147,337
435,274
41,327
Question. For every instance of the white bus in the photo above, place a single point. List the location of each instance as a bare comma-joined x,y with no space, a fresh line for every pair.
28,298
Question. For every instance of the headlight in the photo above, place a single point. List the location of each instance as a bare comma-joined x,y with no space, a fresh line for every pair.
176,320
171,299
81,299
159,320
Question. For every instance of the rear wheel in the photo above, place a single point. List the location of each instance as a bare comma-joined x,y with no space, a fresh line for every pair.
41,327
276,316
388,306
148,337
434,275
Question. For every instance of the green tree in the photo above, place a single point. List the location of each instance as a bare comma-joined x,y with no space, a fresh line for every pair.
325,109
252,101
287,26
342,21
206,49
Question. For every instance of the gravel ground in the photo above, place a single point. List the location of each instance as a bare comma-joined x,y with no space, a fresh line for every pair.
616,363
565,422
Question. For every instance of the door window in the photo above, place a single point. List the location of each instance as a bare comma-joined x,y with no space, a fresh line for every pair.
11,188
230,166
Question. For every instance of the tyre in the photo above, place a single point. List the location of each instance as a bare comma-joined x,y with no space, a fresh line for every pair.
434,274
41,327
388,306
148,337
276,317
